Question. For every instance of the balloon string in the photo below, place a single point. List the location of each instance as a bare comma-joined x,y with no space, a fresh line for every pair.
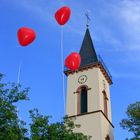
62,63
75,104
19,71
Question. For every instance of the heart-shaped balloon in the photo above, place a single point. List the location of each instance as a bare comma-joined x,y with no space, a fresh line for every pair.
26,36
73,61
63,15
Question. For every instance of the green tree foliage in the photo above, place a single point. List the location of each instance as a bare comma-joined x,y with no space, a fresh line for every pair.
11,127
132,123
41,129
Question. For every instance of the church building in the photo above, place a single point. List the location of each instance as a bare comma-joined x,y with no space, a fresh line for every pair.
88,94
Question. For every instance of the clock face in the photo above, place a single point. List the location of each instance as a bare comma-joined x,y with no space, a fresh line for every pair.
82,79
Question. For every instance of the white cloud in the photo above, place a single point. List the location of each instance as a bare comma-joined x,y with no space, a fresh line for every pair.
45,10
128,14
120,28
116,24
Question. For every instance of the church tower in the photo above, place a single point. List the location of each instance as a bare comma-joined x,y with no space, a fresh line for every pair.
88,94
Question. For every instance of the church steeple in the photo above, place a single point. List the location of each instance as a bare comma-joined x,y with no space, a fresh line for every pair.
87,51
88,94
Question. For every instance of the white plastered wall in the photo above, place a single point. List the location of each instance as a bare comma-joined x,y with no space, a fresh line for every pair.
107,90
93,94
95,125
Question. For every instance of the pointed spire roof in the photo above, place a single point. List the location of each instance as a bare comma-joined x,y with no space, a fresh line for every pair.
87,51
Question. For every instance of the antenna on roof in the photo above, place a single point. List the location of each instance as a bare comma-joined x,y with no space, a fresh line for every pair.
88,18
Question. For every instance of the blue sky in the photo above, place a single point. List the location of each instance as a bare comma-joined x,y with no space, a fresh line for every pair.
115,29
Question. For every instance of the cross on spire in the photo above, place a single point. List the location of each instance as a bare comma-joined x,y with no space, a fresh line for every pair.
88,18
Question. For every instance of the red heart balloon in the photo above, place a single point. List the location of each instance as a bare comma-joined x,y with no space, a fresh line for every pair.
26,36
63,15
73,61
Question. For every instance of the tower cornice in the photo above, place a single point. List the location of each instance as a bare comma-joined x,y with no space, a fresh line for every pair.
93,112
91,66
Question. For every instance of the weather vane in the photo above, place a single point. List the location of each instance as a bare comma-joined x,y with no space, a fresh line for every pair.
88,18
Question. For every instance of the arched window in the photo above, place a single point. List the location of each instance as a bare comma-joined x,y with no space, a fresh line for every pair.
107,137
105,101
82,100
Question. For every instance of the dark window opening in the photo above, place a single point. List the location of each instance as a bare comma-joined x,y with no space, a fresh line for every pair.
107,138
105,103
83,99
